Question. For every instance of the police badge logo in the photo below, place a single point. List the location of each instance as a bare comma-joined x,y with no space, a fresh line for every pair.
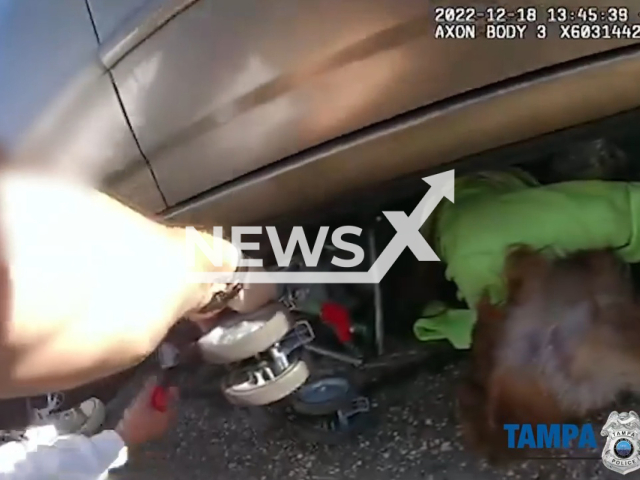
621,453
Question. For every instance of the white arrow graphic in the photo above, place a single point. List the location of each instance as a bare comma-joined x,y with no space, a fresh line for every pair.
407,235
408,228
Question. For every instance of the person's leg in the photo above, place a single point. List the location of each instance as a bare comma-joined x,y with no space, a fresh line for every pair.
85,418
89,286
15,414
45,421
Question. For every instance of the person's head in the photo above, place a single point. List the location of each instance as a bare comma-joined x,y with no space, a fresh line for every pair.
563,345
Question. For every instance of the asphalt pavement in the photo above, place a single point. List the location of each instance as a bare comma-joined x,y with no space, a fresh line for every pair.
417,438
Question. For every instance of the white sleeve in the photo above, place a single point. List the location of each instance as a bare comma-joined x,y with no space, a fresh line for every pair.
74,457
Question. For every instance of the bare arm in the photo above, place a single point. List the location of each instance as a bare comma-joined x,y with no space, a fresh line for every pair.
88,286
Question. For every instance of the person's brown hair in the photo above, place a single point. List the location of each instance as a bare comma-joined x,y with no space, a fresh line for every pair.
563,345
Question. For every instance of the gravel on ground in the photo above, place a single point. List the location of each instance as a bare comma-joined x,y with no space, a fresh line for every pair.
417,438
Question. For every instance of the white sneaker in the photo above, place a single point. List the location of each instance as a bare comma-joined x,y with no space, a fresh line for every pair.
11,436
85,419
168,355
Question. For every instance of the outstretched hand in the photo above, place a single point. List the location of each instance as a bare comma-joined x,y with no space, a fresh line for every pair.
141,422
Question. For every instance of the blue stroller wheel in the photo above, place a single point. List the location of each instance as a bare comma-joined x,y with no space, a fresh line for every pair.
323,396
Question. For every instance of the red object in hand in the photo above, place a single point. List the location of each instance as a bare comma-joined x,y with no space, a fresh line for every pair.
339,318
160,399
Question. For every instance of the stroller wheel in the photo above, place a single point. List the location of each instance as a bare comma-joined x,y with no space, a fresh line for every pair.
243,336
261,385
338,427
323,396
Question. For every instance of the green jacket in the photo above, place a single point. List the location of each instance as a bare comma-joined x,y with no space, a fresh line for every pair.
495,211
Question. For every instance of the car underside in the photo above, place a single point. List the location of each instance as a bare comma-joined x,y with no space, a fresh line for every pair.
382,346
